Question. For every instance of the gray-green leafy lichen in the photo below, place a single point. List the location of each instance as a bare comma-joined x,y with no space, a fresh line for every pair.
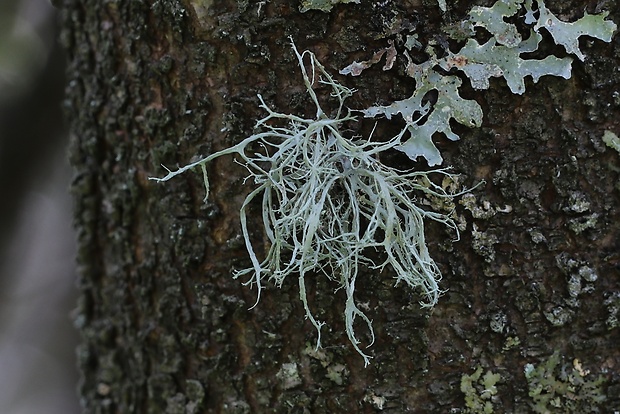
289,376
322,5
479,391
483,243
504,55
579,274
558,387
611,140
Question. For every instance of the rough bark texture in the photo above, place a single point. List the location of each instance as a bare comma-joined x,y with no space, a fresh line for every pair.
165,327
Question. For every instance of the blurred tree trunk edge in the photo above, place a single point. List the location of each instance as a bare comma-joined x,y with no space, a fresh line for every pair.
528,321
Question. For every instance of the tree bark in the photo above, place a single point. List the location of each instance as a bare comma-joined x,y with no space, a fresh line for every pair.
165,328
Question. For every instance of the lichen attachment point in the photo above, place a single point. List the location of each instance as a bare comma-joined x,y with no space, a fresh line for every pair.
327,200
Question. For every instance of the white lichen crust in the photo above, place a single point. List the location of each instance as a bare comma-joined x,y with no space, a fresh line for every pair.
328,201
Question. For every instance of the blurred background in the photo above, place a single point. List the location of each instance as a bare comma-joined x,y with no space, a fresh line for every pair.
37,272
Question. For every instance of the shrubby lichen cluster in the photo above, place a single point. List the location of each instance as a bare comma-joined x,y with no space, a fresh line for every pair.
327,200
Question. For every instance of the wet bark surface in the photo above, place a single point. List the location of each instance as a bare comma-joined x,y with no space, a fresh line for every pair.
165,328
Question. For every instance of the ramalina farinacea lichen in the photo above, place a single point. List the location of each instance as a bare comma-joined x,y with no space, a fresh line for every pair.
328,200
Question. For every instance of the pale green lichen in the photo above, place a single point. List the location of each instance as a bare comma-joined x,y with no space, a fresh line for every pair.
422,121
479,390
492,60
580,276
492,19
376,400
563,33
511,343
322,5
337,373
559,315
483,243
580,224
557,387
498,322
504,55
611,140
327,201
442,5
568,34
289,376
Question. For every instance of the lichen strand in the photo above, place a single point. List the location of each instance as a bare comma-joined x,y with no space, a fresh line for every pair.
327,200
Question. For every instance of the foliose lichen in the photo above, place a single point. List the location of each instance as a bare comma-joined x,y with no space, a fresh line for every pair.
479,391
612,303
322,5
501,56
611,140
558,387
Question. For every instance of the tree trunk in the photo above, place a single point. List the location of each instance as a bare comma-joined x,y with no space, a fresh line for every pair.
165,328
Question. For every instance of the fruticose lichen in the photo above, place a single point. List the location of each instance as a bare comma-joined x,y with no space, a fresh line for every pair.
501,56
327,201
